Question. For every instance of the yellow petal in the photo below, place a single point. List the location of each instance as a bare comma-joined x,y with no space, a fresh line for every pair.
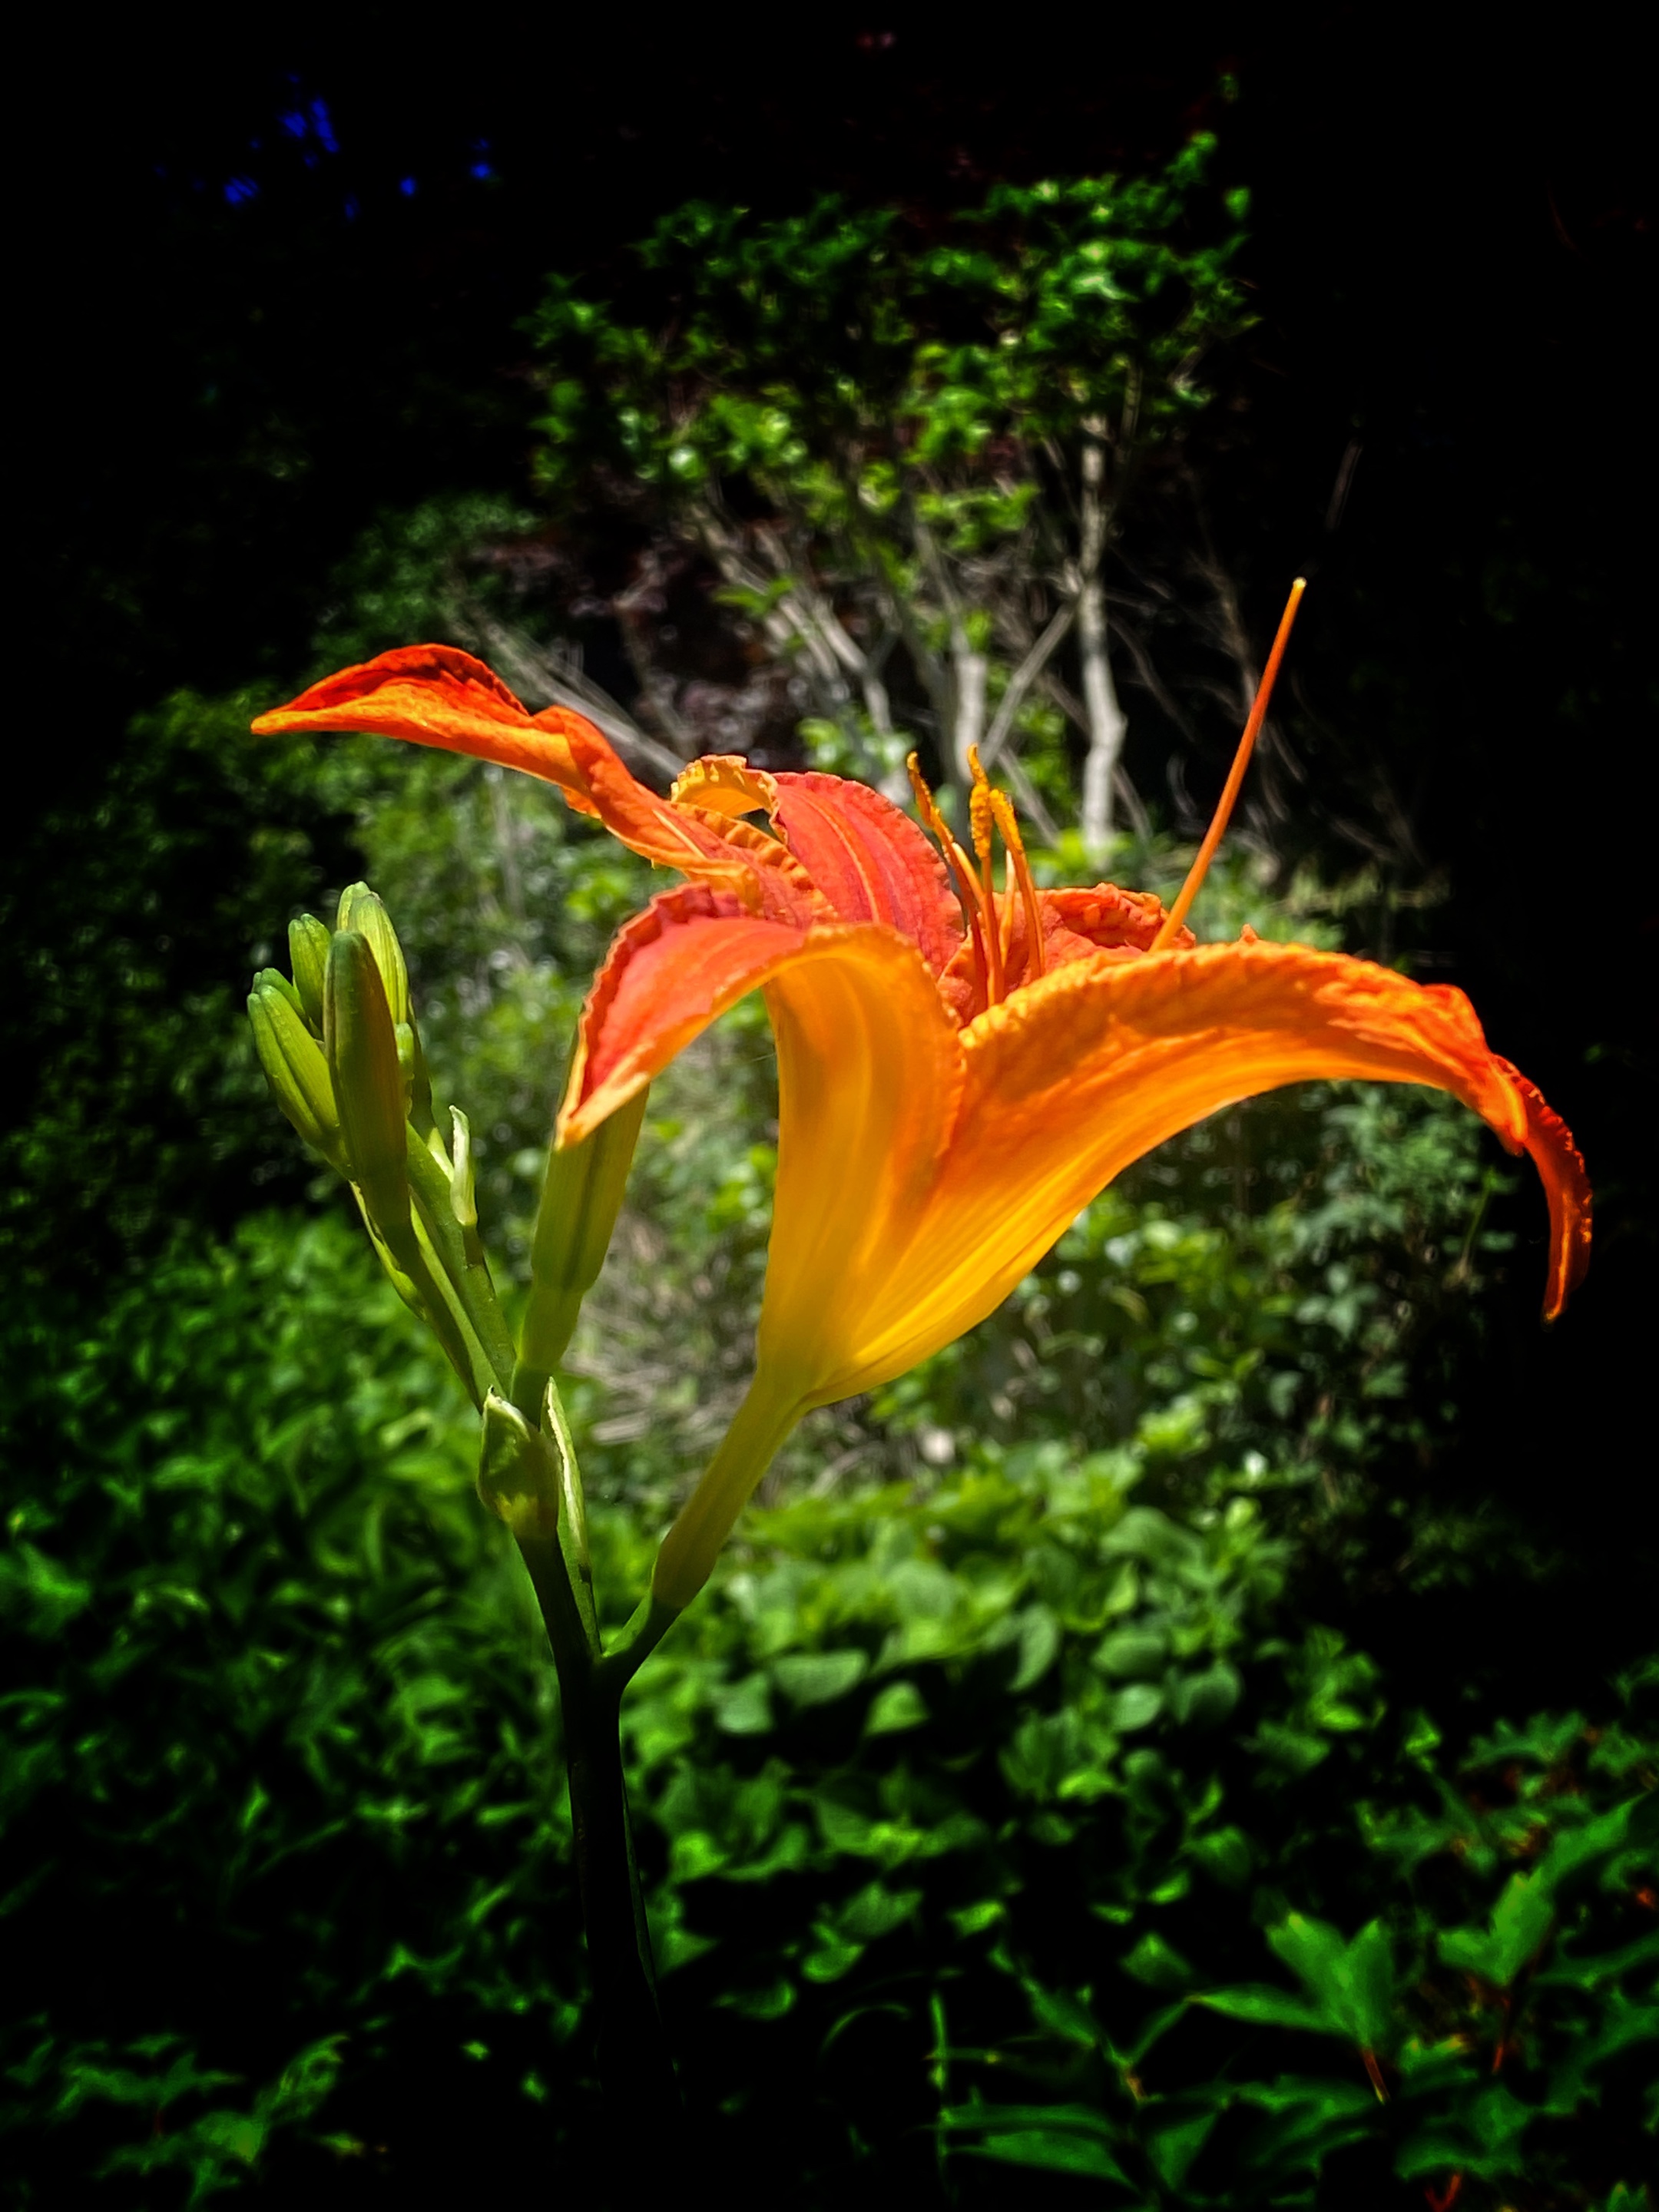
869,1075
1072,1079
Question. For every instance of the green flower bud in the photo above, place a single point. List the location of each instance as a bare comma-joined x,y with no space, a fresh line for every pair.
362,1051
420,1087
360,909
307,953
294,1063
463,1194
272,979
581,1201
418,1084
518,1472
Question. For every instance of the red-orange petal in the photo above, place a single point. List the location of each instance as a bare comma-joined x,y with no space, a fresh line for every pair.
1076,925
1566,1188
1108,918
692,953
870,861
436,695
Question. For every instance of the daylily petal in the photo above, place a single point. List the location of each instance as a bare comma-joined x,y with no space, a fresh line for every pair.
870,1077
671,970
724,783
868,860
763,873
436,694
1108,918
1076,925
1087,1070
1567,1186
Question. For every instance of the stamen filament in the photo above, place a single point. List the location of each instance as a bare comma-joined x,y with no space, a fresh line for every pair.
1020,868
959,865
1213,837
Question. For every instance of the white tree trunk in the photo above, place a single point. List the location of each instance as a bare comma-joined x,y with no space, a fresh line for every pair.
1106,718
1106,723
970,671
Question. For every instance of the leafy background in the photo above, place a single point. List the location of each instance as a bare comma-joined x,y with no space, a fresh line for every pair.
1193,1743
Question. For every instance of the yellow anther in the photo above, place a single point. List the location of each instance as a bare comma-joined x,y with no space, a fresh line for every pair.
980,810
979,822
926,804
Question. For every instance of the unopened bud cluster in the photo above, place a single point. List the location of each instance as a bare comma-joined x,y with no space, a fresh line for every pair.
342,1051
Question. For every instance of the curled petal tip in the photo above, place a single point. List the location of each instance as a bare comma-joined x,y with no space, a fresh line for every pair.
1561,1171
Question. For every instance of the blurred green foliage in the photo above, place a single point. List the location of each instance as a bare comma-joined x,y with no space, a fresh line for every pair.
965,1804
881,433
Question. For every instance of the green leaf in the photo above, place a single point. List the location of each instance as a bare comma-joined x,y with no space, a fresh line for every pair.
746,1708
1305,2121
1226,1854
897,1707
1134,1651
1039,1646
1136,1706
1158,1964
1519,1926
832,1958
1264,2006
1205,1700
1352,1984
876,1912
1173,2141
1051,2138
818,1678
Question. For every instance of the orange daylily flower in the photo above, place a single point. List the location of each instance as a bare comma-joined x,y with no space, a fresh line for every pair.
961,1068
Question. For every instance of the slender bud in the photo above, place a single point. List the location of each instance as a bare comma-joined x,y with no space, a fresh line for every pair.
581,1201
417,1083
361,910
272,979
308,952
518,1472
463,1193
362,1051
294,1063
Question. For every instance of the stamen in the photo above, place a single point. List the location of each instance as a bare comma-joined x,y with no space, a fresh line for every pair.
959,865
1213,837
1003,807
980,808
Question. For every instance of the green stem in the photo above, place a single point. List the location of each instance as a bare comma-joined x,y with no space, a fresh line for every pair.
705,1521
635,2068
572,1517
